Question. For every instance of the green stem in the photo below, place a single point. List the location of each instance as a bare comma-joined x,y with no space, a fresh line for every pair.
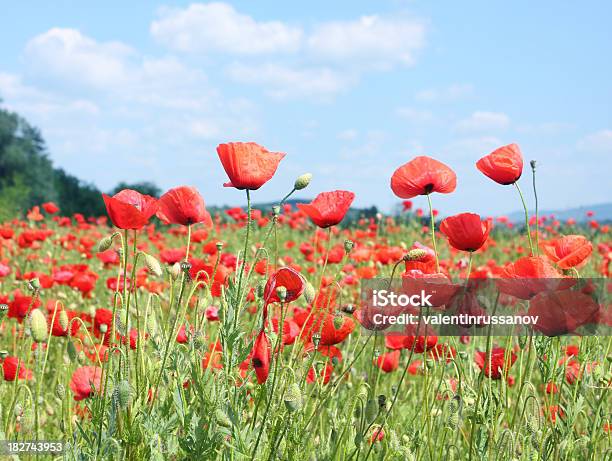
535,194
433,231
527,229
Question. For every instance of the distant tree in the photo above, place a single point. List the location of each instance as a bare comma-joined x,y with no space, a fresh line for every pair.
144,187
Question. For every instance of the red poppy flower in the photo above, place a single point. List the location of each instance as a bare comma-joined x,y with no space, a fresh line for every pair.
504,165
50,207
9,369
530,275
499,364
85,382
328,208
465,231
248,165
260,357
389,361
288,278
569,251
183,205
129,209
422,176
562,312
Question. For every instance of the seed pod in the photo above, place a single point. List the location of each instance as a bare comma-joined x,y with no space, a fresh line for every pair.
38,326
453,412
309,293
281,292
348,246
3,310
316,339
34,284
302,181
293,398
415,255
153,265
222,419
60,391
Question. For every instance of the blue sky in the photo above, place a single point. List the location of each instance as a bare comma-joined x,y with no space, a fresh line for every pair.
349,90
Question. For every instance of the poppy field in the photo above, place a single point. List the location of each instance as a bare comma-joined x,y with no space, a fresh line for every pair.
163,331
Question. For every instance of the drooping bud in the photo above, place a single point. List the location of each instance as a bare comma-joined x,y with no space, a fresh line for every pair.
371,410
105,243
63,319
453,412
293,398
348,246
60,391
124,394
309,293
38,326
153,265
302,181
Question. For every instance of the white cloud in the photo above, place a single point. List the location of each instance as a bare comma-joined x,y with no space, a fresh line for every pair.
415,115
347,135
449,94
74,57
372,39
598,142
205,27
285,82
481,121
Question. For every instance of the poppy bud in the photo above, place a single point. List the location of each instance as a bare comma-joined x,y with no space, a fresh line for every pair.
60,391
3,310
123,394
348,246
103,328
309,293
302,181
371,410
34,284
153,265
281,292
38,326
63,320
453,412
105,243
415,255
72,352
293,398
175,271
222,419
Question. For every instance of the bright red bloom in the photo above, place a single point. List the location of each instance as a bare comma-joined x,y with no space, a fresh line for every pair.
562,312
85,382
9,368
129,209
503,165
465,231
50,207
260,357
248,165
530,275
183,205
328,208
389,361
499,364
569,251
288,278
422,176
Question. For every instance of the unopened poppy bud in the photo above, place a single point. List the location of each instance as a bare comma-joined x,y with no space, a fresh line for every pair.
309,293
371,410
38,326
316,339
293,398
60,391
222,419
105,243
281,292
72,352
348,246
453,412
103,328
338,321
415,255
153,265
175,271
34,284
124,394
63,320
302,181
185,266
